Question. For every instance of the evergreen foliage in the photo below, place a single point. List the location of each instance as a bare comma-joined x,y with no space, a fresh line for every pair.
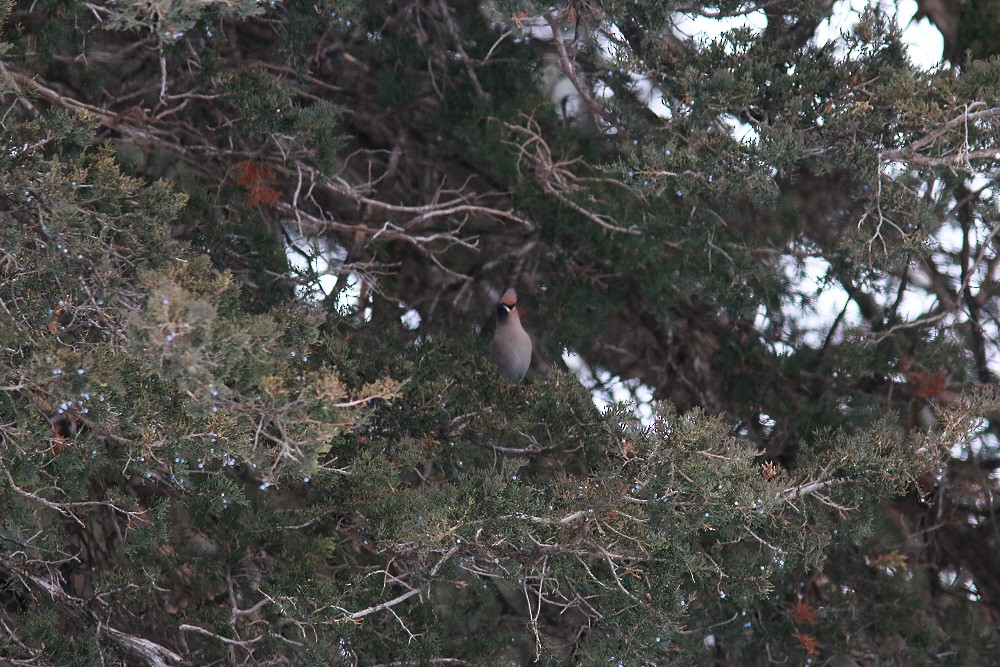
247,253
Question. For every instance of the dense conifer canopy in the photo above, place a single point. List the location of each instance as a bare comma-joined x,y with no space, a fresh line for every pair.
248,252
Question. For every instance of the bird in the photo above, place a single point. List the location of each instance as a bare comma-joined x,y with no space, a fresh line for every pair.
510,350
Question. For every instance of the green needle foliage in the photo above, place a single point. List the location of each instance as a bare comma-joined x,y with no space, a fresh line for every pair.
247,255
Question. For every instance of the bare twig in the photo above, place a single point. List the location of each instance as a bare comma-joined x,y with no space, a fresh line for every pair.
400,598
911,154
586,95
555,177
139,650
65,509
457,39
569,518
804,489
242,643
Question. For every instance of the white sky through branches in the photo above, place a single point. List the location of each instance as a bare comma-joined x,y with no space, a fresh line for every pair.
822,300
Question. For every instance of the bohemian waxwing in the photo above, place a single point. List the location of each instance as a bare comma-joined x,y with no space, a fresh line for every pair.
511,347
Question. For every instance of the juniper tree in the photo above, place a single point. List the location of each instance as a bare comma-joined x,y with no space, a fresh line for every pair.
248,254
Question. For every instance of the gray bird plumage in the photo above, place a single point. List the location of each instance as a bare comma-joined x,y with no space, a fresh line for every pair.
511,347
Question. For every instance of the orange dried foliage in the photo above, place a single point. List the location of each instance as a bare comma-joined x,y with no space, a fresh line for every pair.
930,385
893,559
803,613
262,195
252,175
925,385
251,172
628,450
808,643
